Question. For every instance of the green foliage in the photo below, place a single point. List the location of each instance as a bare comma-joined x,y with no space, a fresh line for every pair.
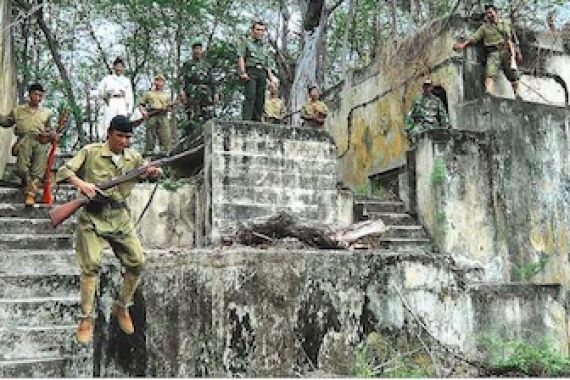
440,216
362,190
526,271
392,357
438,171
532,359
171,184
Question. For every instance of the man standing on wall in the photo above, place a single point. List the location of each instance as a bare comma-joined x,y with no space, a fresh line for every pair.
33,129
497,37
315,111
106,218
117,93
254,70
157,127
428,112
198,87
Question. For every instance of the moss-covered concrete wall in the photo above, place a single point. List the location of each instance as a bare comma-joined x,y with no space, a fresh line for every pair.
7,81
500,195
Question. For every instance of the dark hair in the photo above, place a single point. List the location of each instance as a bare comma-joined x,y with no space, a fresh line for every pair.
310,88
258,22
118,60
35,87
490,6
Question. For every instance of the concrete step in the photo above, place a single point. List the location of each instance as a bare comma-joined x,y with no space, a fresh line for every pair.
405,244
38,311
40,342
404,231
38,263
382,206
35,241
61,193
48,285
393,218
16,225
21,211
70,366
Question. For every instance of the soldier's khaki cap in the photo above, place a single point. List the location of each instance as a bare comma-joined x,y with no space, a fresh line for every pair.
159,77
197,42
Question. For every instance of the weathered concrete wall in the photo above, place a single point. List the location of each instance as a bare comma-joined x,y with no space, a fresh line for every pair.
283,312
174,218
7,81
255,170
503,193
454,198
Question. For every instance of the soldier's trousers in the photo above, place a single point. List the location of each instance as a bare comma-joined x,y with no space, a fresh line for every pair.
497,60
158,128
31,159
116,227
254,92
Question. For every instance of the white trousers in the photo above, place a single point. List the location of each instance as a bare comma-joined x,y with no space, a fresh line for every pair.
116,106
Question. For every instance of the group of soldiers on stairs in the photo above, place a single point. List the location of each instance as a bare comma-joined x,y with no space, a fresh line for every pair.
107,217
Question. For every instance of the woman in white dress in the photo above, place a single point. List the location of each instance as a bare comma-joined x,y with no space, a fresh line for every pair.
117,93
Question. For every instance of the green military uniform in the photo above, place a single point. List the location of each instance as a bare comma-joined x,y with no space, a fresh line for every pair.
256,56
312,108
428,112
157,127
199,86
31,154
274,110
495,37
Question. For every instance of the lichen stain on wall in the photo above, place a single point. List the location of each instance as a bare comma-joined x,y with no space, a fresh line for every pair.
377,142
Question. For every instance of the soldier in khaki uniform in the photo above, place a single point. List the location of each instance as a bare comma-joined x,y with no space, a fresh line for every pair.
198,87
274,107
33,129
106,217
314,112
157,127
497,37
254,70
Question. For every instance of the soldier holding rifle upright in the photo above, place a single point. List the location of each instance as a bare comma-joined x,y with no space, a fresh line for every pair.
106,217
33,129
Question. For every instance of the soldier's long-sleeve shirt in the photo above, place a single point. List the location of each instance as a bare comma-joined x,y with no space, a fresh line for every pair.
28,120
94,164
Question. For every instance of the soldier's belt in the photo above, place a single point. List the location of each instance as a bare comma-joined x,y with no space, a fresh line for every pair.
492,48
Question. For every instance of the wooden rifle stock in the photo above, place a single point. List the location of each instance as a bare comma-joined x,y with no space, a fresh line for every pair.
60,213
47,196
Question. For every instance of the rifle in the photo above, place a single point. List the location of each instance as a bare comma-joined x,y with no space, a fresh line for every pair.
47,196
60,213
153,113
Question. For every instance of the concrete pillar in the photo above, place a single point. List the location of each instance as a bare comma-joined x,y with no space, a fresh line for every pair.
7,81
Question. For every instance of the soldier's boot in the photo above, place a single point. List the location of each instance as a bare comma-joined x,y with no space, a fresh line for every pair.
121,308
31,189
87,287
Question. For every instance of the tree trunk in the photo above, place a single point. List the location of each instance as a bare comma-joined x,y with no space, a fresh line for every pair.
54,48
314,21
8,91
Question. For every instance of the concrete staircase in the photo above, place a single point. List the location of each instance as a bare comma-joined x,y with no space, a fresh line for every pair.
39,283
404,233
